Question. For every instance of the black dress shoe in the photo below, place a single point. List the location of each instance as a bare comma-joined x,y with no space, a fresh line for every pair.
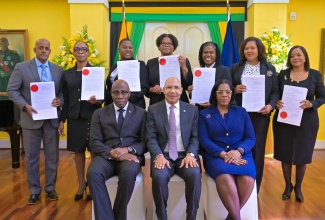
88,197
300,198
33,199
80,196
286,196
52,195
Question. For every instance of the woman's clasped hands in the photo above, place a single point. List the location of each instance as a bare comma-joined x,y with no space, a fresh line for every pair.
234,157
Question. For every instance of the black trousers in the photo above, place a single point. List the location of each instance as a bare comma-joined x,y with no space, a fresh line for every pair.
261,125
98,172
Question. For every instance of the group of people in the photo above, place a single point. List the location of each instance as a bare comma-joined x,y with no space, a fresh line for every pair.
230,140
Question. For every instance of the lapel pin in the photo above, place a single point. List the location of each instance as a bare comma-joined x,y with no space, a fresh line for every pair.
130,111
208,116
184,110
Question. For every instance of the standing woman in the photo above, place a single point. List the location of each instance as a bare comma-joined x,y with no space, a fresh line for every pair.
167,44
209,57
295,144
126,52
253,62
78,113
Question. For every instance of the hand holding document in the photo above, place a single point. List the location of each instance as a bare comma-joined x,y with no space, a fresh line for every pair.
203,81
93,82
254,97
42,95
168,67
291,113
129,70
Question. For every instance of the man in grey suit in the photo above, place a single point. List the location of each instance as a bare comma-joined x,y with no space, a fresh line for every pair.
117,143
38,69
172,140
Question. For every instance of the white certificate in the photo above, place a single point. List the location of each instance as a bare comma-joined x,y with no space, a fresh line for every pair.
254,97
291,113
203,81
42,95
129,70
168,67
93,82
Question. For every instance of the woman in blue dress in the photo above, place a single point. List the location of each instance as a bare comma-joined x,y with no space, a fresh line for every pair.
226,136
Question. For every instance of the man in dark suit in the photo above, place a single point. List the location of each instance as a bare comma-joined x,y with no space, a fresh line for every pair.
38,69
169,132
117,143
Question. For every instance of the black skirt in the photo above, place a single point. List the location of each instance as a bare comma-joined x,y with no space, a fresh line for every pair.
78,134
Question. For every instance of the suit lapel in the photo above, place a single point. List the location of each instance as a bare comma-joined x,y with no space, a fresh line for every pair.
162,109
216,114
183,115
34,71
128,114
112,116
73,77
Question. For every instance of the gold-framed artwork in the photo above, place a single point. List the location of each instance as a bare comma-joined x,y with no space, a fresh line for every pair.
13,49
322,54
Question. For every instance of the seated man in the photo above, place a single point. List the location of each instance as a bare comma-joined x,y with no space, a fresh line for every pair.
172,140
117,144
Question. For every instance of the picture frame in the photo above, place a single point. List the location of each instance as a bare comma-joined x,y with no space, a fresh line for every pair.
14,48
322,54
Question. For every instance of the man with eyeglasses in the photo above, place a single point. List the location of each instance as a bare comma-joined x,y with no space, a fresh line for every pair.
38,69
117,143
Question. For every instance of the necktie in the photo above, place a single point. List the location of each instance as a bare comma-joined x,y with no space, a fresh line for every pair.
172,146
120,118
43,73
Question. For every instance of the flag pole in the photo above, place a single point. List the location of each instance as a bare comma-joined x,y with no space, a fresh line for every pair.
228,10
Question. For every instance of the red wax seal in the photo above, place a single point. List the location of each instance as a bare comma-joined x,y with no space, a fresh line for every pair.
162,61
34,88
198,73
283,114
85,72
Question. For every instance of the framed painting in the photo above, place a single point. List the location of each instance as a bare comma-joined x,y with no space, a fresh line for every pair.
13,49
322,54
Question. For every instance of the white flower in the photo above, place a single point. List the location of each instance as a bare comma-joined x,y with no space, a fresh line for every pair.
275,30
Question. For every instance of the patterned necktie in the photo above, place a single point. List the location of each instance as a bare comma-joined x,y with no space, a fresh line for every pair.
43,73
120,118
172,146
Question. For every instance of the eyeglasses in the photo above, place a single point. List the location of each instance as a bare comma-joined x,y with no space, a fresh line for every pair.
166,44
80,49
221,92
123,93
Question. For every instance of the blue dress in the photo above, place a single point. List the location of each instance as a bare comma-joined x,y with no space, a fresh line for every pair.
217,134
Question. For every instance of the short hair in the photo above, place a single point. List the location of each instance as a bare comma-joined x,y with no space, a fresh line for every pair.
4,39
260,48
81,42
216,48
170,36
213,99
304,51
123,40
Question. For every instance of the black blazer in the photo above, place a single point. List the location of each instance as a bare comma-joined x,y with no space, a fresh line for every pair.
73,106
153,71
136,98
271,82
105,134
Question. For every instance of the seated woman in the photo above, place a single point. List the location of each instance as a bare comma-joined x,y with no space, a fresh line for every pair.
226,138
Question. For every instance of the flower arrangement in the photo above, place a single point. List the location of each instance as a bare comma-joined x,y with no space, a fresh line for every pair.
277,47
65,58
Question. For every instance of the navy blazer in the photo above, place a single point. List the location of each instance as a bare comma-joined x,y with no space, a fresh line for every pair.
271,82
136,98
216,135
157,128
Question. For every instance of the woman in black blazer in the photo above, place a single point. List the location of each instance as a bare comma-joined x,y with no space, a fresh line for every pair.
209,57
253,62
78,113
167,44
126,52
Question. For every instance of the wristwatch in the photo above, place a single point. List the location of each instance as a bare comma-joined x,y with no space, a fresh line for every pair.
131,150
191,154
241,150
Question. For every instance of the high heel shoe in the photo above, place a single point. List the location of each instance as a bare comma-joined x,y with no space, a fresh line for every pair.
81,195
299,198
286,196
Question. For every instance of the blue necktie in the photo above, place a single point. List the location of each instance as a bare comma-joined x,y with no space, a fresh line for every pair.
172,146
43,73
